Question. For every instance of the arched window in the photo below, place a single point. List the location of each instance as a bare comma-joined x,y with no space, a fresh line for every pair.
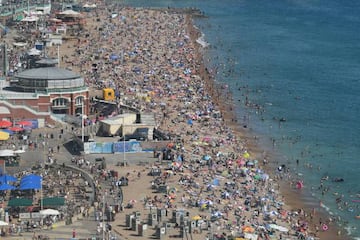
79,100
60,102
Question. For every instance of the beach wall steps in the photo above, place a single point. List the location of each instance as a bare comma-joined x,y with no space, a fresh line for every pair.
14,106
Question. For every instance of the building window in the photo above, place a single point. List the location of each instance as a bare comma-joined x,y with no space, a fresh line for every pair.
60,102
79,100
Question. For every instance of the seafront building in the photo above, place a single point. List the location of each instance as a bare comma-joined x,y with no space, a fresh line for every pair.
45,92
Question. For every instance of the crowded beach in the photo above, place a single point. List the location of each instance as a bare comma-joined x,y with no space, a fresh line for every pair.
209,173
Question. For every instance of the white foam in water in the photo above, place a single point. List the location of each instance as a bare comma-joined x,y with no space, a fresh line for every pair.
202,42
348,230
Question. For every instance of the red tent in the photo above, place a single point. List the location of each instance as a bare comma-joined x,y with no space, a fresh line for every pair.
24,123
16,129
5,124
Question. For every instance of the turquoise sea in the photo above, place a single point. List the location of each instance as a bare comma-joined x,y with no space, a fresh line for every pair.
294,70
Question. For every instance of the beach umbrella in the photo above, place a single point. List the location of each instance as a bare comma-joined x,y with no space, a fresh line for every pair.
114,57
248,229
246,155
4,136
16,129
240,162
264,177
206,157
250,163
24,123
5,124
216,182
5,186
49,212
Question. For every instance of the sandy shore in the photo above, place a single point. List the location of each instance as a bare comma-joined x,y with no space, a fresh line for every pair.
159,68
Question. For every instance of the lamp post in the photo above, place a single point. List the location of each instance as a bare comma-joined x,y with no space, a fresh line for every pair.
103,217
123,133
82,121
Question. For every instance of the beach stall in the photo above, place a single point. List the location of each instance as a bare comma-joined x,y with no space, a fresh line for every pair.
10,157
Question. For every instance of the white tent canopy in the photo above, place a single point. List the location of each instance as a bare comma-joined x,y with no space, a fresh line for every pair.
69,12
30,19
34,52
279,228
87,5
49,212
2,223
19,44
7,153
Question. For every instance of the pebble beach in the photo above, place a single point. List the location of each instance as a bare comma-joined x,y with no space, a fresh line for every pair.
212,170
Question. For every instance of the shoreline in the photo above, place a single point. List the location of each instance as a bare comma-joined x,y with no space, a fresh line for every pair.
221,97
293,199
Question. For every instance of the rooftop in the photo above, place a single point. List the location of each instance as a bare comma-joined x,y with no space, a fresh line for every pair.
47,73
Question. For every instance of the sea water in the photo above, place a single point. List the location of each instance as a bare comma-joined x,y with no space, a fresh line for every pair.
294,70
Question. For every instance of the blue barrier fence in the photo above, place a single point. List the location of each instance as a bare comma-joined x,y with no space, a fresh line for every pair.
114,147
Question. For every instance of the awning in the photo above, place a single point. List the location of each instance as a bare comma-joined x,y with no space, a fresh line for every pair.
20,202
55,201
19,18
7,152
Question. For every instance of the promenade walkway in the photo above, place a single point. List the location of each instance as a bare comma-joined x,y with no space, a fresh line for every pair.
85,227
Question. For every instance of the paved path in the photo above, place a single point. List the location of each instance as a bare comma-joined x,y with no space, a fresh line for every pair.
84,228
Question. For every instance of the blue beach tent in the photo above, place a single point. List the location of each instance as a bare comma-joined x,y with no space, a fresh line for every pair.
30,185
5,187
31,181
31,177
7,178
7,131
